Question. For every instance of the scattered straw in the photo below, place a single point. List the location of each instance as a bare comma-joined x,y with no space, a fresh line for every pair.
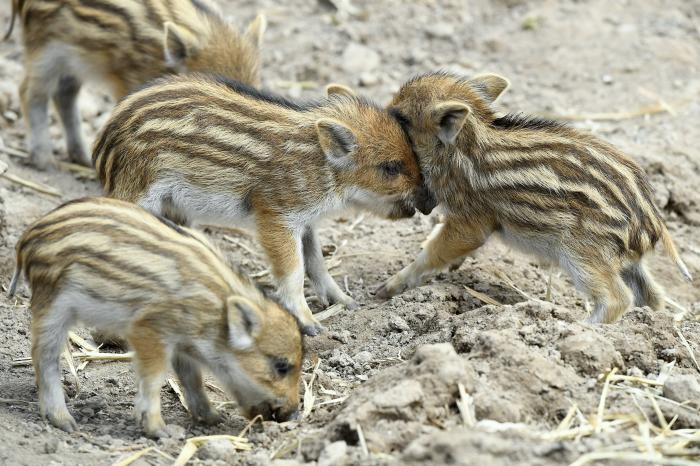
250,424
192,445
309,397
363,442
356,222
482,297
133,457
510,283
330,312
71,365
688,347
242,245
81,342
41,188
178,391
465,404
598,424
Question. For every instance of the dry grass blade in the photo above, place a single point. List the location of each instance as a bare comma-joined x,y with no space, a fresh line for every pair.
363,442
104,356
356,222
688,347
482,297
241,245
32,185
565,423
601,405
133,457
250,424
611,116
330,312
71,365
192,445
81,342
510,283
10,401
309,397
631,458
178,391
465,404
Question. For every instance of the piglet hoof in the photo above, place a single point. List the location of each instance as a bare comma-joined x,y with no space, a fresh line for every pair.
387,290
211,418
63,420
352,305
312,329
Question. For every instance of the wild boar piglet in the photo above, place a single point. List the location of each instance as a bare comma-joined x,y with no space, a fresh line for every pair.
120,45
197,149
165,289
562,194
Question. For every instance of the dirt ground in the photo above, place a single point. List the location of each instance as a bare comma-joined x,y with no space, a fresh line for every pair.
387,385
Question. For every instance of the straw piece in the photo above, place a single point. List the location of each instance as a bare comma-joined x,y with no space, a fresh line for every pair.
81,342
309,397
133,457
330,312
482,297
363,442
465,404
71,366
688,347
601,405
32,185
250,425
178,391
241,245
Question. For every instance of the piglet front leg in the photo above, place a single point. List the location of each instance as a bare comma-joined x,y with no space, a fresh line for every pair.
284,250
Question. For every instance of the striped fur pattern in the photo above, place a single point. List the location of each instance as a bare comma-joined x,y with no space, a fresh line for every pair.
120,44
564,195
165,289
197,149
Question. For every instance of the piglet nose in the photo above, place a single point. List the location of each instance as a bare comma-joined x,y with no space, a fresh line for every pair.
425,201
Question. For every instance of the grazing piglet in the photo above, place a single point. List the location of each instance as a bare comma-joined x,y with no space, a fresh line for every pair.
120,44
165,289
200,149
562,194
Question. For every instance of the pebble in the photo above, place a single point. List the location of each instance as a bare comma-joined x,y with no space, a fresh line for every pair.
358,58
220,449
440,31
607,79
333,454
363,357
682,388
398,323
51,446
368,79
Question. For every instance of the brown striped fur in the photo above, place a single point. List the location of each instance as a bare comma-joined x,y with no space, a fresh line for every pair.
121,44
165,289
564,195
198,149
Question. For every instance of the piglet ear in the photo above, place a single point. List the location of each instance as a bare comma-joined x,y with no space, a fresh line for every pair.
256,30
244,320
339,89
490,86
178,45
337,141
449,118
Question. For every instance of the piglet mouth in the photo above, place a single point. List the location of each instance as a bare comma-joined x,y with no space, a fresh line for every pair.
402,209
269,412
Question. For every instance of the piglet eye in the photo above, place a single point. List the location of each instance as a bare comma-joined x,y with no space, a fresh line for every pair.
282,367
392,168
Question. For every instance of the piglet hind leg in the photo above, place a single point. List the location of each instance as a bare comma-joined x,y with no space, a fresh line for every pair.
284,250
50,325
34,96
326,288
644,288
446,246
190,375
150,361
66,101
611,297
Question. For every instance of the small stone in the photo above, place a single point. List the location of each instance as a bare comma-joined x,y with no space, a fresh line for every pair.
51,446
217,450
398,323
358,58
683,388
368,79
175,431
333,454
607,79
10,116
404,394
363,357
440,31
